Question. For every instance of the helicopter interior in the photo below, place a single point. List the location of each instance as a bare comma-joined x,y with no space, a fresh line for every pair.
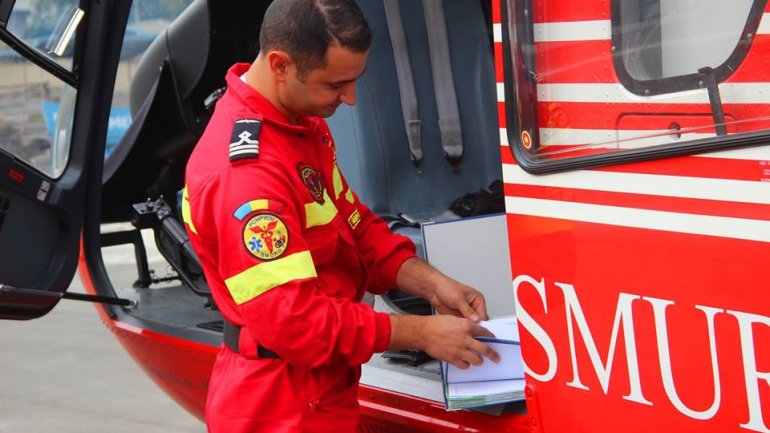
181,75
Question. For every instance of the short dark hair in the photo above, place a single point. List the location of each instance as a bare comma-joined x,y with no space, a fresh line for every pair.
304,29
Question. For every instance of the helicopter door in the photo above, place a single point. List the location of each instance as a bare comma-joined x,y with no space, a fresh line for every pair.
55,89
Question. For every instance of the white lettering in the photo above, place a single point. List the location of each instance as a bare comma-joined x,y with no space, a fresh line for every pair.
526,320
745,322
664,357
120,122
623,313
756,381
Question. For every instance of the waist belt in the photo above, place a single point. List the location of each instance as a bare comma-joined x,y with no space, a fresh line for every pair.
232,336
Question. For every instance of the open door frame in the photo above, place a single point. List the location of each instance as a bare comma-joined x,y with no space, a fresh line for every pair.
41,217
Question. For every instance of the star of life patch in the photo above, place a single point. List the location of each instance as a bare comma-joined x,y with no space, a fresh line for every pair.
265,236
244,139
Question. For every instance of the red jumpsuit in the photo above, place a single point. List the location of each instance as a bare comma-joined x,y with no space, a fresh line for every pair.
288,251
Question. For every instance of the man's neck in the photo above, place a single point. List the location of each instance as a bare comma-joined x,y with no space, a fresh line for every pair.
258,78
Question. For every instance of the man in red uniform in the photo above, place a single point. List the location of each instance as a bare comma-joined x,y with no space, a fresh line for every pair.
287,248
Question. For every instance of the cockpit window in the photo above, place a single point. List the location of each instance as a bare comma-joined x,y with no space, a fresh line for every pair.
48,26
633,77
38,90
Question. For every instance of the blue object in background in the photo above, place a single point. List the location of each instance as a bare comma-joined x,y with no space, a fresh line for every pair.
120,119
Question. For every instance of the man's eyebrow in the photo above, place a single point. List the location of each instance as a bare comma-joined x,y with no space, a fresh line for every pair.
349,81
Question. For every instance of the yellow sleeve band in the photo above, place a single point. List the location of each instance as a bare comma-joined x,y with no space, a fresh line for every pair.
186,217
268,275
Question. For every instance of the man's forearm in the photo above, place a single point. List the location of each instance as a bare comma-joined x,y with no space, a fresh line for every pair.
406,332
418,278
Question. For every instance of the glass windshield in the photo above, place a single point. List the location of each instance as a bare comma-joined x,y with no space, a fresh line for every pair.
36,110
603,77
48,26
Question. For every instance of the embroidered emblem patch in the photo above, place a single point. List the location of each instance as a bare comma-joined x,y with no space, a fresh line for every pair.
312,181
244,139
354,219
265,236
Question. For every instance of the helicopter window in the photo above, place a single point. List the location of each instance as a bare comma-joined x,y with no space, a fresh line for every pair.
35,113
47,26
631,80
658,40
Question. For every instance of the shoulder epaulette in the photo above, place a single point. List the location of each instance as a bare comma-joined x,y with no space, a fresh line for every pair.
244,140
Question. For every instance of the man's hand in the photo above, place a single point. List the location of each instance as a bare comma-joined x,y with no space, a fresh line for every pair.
443,337
458,299
447,296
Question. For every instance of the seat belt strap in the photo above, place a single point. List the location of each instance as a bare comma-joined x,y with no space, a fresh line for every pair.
405,78
443,82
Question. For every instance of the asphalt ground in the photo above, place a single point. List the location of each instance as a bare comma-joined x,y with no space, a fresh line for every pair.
65,373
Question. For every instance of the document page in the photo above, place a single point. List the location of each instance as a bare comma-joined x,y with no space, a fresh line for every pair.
489,383
506,344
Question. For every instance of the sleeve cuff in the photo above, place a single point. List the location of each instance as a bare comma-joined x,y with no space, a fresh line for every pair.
389,269
382,337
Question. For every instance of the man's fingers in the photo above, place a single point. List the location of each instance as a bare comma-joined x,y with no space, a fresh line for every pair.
482,348
472,357
460,363
481,307
477,302
480,331
469,313
474,354
486,351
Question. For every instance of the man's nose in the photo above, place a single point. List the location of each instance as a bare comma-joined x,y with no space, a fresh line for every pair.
348,95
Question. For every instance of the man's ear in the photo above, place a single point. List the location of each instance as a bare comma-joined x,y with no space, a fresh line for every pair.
279,62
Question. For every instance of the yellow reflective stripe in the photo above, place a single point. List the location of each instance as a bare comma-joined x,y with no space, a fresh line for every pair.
320,214
268,275
338,186
186,216
337,179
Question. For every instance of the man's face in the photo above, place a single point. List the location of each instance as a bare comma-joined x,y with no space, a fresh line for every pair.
323,89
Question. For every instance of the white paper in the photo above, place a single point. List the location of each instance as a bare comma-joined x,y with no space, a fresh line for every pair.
475,389
504,328
510,366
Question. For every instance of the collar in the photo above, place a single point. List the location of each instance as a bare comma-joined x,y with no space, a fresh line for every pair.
259,104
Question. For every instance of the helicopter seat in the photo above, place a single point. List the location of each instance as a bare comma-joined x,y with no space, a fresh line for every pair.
372,143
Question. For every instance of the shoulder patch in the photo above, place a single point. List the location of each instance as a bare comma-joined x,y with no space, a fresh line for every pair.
265,236
244,140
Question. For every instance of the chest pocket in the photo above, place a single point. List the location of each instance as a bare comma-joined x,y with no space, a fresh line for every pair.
338,263
322,232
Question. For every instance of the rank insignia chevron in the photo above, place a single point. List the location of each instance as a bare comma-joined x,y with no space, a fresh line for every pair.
244,140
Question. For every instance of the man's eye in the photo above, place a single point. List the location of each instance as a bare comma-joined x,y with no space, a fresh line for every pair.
335,86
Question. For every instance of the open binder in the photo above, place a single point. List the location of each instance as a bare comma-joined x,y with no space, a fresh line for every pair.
490,383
